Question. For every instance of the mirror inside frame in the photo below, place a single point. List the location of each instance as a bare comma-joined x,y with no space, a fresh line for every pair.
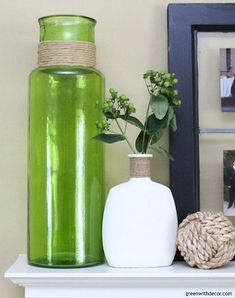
216,73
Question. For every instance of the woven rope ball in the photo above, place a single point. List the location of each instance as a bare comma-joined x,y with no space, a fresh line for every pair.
206,240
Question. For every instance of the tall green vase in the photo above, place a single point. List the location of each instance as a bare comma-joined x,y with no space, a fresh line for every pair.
66,167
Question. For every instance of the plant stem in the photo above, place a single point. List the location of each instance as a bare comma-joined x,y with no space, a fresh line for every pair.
125,127
145,128
129,144
146,117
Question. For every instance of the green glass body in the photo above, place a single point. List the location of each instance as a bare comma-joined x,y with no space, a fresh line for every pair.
66,167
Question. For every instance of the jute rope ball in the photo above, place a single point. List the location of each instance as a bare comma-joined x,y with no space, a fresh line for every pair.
206,240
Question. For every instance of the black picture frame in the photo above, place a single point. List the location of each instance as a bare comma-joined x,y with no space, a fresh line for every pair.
185,21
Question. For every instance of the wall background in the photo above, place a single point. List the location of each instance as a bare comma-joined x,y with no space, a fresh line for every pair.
131,37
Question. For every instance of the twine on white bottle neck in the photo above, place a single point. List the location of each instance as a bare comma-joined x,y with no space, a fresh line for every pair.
140,166
81,53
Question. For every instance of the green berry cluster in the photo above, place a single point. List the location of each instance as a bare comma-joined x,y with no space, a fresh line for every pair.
120,104
114,107
163,82
102,125
160,114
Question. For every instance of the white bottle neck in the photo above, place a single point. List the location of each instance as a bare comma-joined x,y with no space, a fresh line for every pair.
140,166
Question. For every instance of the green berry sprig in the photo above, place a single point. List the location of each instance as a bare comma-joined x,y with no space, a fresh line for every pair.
163,83
160,114
114,107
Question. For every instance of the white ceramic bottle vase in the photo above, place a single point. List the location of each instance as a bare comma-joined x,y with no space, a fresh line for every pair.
140,220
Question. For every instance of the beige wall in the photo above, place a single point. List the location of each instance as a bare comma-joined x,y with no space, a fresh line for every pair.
131,37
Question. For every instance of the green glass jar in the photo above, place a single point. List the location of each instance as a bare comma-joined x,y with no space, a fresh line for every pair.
66,167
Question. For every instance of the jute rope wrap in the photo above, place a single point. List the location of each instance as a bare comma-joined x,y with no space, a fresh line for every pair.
206,240
140,167
80,53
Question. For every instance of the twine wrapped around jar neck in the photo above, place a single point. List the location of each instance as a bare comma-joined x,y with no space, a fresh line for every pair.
140,165
80,53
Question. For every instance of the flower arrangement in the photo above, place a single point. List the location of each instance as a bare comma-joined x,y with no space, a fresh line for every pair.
160,114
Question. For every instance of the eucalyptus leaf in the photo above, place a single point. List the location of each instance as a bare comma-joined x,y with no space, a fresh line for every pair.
162,151
173,124
157,136
109,138
170,114
140,147
154,124
132,120
159,105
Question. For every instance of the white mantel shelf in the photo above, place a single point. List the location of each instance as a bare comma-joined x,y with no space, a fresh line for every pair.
106,282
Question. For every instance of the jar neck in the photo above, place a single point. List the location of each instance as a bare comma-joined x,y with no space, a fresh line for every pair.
67,27
140,165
